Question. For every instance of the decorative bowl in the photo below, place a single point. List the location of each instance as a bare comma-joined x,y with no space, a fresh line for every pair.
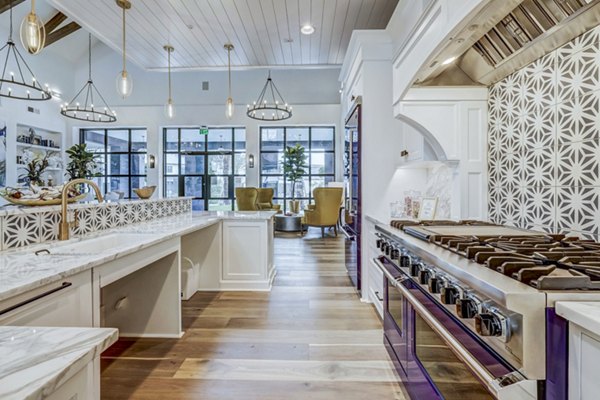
145,192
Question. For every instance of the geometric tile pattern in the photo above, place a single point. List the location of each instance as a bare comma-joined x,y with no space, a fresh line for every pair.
544,142
41,226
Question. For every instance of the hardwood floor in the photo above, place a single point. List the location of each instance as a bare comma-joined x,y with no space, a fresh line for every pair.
309,338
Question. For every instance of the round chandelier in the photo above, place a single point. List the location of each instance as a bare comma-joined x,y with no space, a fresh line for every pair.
82,106
270,105
17,80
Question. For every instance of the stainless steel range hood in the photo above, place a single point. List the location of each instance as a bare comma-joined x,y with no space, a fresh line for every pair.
506,36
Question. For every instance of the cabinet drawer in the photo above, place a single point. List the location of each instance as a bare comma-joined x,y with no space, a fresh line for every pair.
376,287
63,303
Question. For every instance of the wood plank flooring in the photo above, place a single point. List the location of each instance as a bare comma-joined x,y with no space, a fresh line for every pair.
309,338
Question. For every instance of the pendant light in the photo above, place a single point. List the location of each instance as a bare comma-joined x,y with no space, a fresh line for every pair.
229,107
169,106
124,81
33,32
17,80
270,105
82,106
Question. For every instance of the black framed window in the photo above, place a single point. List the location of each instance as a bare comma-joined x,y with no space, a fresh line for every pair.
121,155
206,167
319,143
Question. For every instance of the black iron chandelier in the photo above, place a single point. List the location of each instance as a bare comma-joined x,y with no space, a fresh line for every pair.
82,106
17,80
270,105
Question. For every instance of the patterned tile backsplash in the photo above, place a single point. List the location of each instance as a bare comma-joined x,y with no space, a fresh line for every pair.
24,226
544,142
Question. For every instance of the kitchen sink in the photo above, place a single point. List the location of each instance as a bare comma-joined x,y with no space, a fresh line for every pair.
97,245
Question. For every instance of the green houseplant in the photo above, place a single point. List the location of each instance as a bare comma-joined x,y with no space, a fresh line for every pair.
82,163
294,168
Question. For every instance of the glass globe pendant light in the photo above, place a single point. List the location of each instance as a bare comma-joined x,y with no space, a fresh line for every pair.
229,107
124,81
33,32
169,105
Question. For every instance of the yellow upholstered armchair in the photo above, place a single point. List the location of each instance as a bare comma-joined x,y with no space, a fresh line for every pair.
246,198
265,200
325,212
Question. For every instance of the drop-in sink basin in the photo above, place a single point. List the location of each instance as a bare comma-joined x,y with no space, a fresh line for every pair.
99,244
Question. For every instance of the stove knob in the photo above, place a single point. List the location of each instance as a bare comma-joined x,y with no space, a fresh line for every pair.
388,247
450,294
424,276
379,242
436,283
488,324
405,261
466,308
415,268
395,253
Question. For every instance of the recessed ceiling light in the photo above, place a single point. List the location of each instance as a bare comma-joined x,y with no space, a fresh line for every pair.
449,60
307,29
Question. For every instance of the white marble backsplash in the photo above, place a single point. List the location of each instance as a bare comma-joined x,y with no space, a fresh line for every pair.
24,226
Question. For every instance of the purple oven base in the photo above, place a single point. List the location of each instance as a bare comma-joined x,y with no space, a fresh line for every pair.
400,342
557,356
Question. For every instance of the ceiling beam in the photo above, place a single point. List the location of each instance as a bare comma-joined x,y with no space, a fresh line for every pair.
5,4
61,33
54,22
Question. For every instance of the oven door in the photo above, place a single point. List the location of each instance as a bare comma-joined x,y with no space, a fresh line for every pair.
439,358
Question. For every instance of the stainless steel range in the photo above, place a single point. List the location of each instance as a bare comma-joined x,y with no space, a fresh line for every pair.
469,307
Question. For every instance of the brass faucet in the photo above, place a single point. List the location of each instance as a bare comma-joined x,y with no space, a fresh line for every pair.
63,228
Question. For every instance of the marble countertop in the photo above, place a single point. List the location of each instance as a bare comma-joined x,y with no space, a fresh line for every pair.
583,313
35,361
21,270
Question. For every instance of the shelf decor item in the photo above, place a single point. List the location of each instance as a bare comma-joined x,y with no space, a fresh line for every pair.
34,170
428,208
17,80
270,105
169,106
33,32
82,163
294,168
81,107
229,107
124,81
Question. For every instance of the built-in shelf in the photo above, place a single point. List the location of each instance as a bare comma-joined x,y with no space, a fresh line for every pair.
37,146
47,168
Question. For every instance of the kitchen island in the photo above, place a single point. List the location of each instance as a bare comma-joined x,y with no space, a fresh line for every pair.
130,277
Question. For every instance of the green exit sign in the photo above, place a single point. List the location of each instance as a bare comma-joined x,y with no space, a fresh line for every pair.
204,130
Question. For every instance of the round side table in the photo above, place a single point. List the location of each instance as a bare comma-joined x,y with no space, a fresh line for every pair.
288,223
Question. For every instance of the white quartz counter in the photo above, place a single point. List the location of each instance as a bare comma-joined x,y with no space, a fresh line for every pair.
586,314
21,270
34,362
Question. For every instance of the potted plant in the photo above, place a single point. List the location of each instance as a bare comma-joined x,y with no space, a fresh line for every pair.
34,170
294,168
82,163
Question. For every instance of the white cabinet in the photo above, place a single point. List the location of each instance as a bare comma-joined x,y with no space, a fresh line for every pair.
79,386
584,361
63,303
375,275
247,256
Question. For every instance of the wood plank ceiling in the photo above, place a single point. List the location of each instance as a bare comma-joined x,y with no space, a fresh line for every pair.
264,32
